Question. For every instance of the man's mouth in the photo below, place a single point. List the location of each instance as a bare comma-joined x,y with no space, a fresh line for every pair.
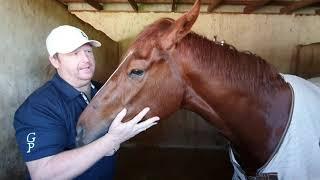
85,68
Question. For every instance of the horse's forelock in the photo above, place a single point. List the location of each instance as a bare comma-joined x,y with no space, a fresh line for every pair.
150,37
153,30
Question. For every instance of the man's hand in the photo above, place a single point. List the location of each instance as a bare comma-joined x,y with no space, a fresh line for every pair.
120,132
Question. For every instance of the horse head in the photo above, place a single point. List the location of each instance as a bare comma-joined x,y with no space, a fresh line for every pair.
146,76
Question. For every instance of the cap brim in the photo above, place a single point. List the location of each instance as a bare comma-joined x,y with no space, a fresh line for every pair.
94,43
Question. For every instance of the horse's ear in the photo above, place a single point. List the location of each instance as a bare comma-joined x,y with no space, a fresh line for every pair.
181,26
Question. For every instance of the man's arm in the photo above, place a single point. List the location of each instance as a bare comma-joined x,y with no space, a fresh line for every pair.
69,164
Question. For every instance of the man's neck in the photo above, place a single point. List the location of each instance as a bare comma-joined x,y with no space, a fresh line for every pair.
85,89
82,86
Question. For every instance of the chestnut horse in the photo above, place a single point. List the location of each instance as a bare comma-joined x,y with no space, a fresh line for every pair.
271,128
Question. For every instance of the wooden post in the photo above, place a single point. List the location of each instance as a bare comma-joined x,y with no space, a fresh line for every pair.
174,6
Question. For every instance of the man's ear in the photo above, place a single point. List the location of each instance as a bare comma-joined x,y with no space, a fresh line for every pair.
54,60
181,27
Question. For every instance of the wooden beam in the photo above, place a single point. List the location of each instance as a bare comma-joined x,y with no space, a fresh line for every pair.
95,4
254,6
203,2
174,6
134,5
63,3
214,4
297,5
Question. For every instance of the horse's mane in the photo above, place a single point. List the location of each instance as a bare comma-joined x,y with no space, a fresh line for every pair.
241,69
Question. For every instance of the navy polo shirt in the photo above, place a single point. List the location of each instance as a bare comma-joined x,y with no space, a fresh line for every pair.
46,122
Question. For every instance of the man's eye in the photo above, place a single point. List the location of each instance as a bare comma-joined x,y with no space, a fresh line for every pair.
136,73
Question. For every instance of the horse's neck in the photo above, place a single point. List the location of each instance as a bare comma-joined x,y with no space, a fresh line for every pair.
253,124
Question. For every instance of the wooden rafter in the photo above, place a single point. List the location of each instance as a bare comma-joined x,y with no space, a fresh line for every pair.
297,5
95,4
254,6
174,6
134,5
62,1
214,4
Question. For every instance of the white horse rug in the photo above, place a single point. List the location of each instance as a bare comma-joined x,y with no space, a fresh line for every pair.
298,157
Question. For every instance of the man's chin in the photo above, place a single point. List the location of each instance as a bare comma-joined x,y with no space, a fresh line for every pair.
86,76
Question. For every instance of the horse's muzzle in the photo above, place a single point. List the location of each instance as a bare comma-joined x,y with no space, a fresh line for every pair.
85,136
79,138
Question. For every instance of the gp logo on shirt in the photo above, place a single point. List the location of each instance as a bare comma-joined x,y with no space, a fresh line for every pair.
31,138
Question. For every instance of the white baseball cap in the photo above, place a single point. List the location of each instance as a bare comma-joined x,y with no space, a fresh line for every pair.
65,39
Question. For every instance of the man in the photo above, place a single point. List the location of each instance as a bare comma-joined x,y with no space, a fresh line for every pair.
45,123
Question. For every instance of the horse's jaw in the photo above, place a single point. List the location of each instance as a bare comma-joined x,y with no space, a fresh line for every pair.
194,102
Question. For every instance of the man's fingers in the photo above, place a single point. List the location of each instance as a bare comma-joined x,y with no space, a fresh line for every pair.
120,116
141,114
147,123
145,128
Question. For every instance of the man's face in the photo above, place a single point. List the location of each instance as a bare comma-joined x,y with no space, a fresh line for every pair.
77,66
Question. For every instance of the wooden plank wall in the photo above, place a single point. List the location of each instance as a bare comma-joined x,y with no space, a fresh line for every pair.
306,60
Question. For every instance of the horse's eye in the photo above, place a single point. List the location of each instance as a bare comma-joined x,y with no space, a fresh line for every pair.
136,73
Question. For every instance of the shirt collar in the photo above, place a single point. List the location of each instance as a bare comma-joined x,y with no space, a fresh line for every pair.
65,88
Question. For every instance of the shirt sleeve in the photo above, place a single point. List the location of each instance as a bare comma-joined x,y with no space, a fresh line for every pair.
40,129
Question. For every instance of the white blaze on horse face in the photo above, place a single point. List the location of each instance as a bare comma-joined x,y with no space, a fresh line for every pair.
126,57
